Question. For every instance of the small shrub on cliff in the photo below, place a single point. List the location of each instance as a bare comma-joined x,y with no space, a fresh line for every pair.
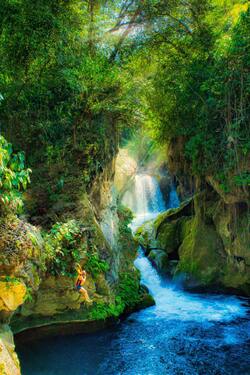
13,177
125,216
102,310
95,265
129,287
128,295
64,244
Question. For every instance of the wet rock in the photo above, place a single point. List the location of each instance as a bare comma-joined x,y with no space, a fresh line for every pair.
211,247
160,259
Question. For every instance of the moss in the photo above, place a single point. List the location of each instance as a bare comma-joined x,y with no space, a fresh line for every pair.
167,238
159,258
166,232
126,240
201,253
185,209
103,310
235,277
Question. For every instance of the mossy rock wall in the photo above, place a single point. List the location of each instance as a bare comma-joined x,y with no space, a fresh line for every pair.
107,258
33,293
209,237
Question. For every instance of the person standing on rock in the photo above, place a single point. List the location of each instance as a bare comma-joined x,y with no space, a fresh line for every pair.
80,281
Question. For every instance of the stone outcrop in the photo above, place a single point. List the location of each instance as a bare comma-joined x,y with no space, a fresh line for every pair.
9,363
12,295
207,244
207,239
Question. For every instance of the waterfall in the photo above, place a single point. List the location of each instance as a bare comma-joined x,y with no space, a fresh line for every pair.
144,196
145,199
173,201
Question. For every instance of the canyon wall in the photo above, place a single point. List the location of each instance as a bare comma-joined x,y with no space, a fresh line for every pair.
205,242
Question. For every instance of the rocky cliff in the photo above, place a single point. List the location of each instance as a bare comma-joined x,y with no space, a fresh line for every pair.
206,241
38,268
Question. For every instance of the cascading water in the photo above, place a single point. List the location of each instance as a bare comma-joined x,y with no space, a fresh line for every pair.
144,196
183,334
170,299
145,199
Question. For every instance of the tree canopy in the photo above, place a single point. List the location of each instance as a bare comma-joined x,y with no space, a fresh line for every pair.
77,75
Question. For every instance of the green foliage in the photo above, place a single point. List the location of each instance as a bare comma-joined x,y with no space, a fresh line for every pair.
199,87
125,218
127,296
13,176
95,265
72,86
28,296
125,232
64,244
102,310
129,287
58,84
243,179
11,279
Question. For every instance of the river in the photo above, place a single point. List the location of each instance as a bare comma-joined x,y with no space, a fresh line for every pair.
183,334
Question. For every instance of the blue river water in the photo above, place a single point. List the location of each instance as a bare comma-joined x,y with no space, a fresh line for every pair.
184,334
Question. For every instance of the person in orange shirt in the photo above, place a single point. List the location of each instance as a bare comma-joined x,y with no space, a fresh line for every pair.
80,281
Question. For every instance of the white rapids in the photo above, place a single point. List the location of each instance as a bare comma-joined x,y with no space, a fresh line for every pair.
146,200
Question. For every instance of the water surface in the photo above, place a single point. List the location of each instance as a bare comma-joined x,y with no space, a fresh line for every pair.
183,334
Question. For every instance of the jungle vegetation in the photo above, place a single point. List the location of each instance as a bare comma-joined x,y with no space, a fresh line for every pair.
77,77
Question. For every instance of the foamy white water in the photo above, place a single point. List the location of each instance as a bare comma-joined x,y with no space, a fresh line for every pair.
172,302
145,199
144,196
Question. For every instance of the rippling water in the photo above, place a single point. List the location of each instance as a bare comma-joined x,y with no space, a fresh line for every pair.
183,334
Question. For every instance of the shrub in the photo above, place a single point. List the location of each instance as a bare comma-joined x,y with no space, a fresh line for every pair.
95,265
13,177
64,244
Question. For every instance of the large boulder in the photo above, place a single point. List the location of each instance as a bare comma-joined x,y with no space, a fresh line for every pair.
201,255
12,295
209,239
159,258
166,232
